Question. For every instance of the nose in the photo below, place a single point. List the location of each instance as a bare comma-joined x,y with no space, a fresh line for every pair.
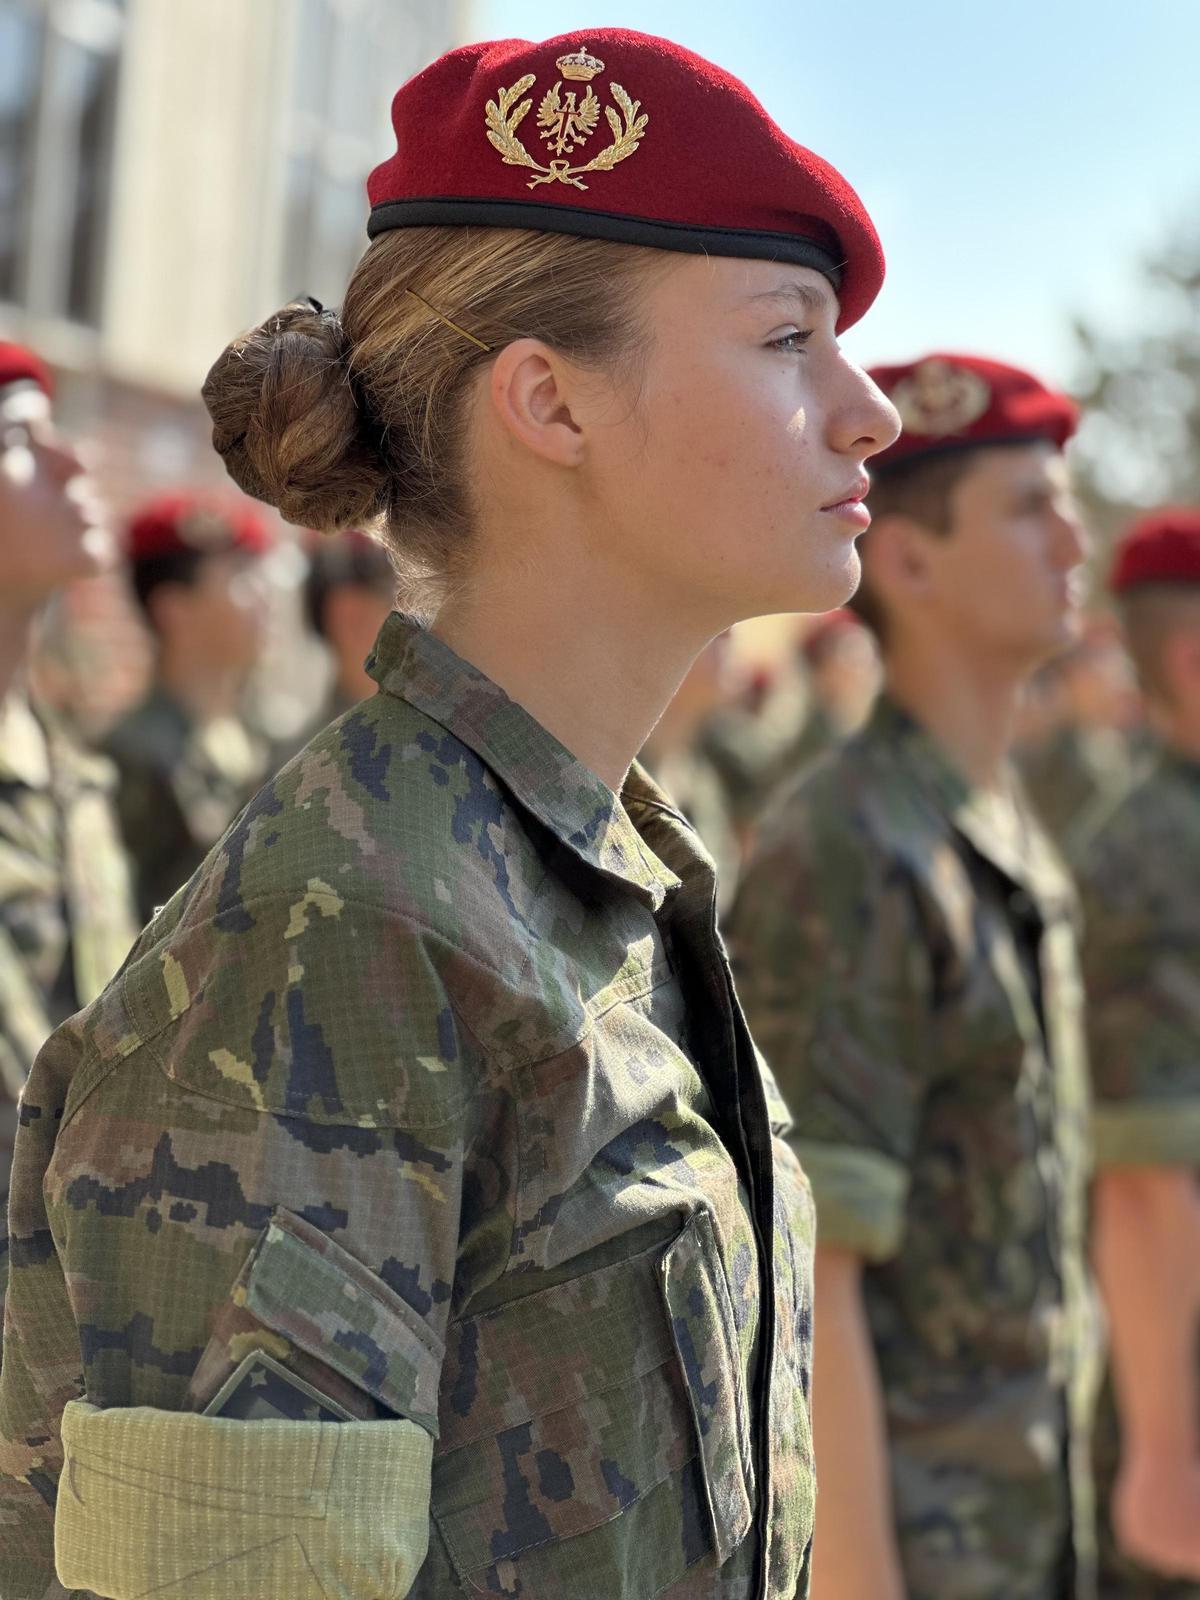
866,421
61,458
1073,542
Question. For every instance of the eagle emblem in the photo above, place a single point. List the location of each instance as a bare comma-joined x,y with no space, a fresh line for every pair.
566,123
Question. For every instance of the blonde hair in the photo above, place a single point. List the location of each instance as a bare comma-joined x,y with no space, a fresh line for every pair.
357,420
1151,615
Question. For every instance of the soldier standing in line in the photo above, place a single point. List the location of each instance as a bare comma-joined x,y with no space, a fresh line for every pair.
675,757
187,763
66,914
1139,872
906,952
842,662
415,1215
349,589
1087,760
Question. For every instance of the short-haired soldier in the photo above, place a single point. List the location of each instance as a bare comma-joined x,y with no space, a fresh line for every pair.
906,953
187,762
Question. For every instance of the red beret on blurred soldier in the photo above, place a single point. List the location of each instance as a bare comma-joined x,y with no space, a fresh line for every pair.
187,761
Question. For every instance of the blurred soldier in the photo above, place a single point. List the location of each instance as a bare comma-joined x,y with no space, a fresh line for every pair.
1085,759
906,943
675,756
66,920
842,661
187,763
350,590
1139,870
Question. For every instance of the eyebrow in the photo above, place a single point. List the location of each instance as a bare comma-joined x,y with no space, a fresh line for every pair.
812,299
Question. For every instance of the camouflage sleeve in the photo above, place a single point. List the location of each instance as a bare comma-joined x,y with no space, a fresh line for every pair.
261,1136
831,975
1141,968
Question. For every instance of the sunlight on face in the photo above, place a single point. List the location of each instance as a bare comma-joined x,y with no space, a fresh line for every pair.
734,483
1009,574
49,531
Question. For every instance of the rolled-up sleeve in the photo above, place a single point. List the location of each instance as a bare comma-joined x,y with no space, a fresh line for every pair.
1141,966
262,1153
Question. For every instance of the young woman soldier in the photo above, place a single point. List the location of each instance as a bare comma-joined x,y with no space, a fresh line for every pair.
412,1216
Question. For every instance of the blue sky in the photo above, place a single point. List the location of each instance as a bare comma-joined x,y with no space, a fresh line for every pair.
1018,157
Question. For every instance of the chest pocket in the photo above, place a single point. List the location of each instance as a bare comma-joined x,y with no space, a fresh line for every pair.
595,1437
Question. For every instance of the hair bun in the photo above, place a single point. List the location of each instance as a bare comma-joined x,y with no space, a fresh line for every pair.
287,423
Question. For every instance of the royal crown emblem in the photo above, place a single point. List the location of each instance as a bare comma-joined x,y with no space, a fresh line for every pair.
566,122
940,398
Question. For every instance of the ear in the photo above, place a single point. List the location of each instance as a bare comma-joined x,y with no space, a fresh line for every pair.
899,559
531,388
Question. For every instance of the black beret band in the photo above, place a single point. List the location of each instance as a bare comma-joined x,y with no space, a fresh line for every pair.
703,240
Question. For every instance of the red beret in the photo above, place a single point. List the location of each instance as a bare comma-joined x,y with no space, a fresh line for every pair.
954,402
182,521
19,365
618,135
1161,547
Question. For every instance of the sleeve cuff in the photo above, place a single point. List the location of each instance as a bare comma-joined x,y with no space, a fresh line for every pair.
1151,1134
860,1197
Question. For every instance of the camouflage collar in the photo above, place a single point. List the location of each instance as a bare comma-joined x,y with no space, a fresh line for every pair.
580,809
997,827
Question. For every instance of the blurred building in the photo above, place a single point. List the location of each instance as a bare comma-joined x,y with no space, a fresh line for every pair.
171,171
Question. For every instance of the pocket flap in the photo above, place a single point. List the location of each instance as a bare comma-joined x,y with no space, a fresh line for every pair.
700,1313
299,1283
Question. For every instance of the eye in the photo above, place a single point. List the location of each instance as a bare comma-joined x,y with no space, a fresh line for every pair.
792,344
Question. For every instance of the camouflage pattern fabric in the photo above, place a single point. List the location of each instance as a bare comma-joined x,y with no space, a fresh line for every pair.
695,786
1075,771
66,918
906,951
432,1085
181,786
1139,873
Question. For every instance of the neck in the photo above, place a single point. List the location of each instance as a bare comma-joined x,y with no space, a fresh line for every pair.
16,629
203,690
594,663
968,704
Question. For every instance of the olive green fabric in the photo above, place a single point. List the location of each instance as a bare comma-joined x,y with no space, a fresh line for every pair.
181,785
432,1086
165,1503
906,952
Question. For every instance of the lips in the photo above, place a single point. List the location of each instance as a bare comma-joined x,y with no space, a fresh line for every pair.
856,492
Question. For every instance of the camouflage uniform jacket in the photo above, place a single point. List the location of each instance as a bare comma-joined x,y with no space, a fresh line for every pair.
181,786
1139,873
906,949
695,786
1076,771
66,917
432,1084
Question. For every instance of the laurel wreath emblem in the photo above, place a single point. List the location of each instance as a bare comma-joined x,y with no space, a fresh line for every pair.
505,116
